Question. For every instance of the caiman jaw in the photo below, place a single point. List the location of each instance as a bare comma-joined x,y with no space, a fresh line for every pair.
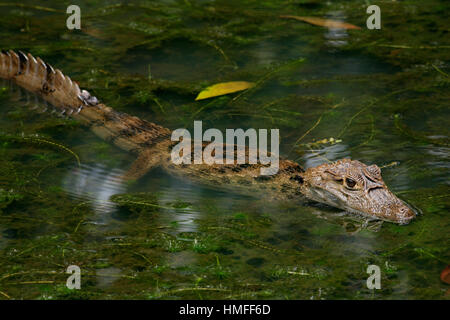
355,187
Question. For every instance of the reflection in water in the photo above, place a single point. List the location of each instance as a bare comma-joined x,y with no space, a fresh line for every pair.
184,217
331,153
106,276
336,37
265,52
187,217
95,184
98,183
440,156
17,96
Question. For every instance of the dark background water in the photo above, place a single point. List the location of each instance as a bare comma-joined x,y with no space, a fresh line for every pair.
382,94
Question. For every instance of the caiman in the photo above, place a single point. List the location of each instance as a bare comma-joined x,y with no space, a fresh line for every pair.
346,184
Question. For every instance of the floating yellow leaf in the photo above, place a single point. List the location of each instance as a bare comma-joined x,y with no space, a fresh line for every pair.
224,88
327,23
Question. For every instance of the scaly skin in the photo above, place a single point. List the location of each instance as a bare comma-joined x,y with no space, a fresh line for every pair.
346,184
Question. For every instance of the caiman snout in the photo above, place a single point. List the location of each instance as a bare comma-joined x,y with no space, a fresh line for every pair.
383,204
355,187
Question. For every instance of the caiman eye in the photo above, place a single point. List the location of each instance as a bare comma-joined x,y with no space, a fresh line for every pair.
350,182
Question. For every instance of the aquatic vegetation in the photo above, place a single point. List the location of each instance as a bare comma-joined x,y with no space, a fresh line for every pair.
7,197
379,96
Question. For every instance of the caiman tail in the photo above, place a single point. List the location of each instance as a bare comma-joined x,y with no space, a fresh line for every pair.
127,132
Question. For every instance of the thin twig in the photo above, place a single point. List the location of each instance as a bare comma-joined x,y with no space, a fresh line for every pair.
29,6
440,71
372,133
267,76
143,257
314,126
193,289
400,46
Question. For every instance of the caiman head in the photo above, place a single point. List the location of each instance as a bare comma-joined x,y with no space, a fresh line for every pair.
355,187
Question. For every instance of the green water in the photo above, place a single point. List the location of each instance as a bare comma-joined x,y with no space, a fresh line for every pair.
382,94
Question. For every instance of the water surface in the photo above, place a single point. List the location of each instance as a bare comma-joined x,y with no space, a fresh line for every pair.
382,95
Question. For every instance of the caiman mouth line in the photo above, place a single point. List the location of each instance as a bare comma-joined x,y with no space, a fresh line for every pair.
346,184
